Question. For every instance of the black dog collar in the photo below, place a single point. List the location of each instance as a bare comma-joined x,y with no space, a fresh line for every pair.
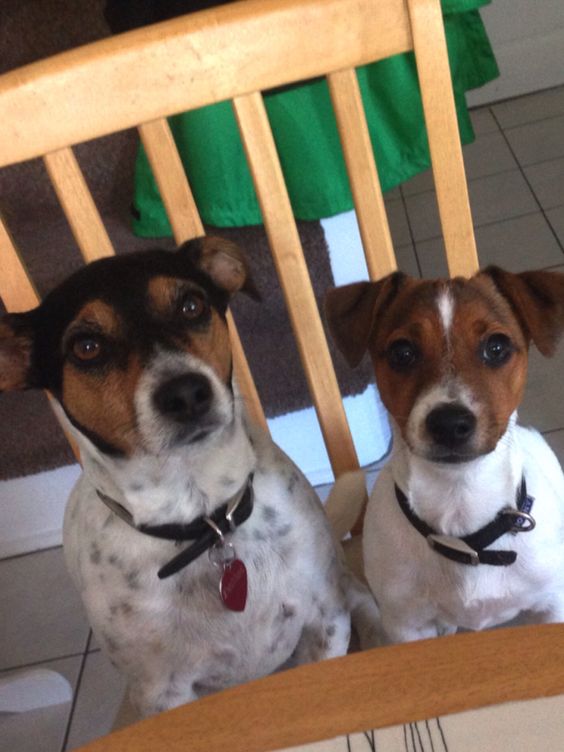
204,530
469,549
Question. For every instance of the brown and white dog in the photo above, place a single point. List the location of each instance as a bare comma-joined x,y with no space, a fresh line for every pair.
179,496
448,537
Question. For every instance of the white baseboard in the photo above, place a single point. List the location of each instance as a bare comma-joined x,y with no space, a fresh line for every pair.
526,65
32,508
528,42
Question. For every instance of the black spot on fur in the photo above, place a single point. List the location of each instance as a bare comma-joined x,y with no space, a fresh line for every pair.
293,481
269,514
288,612
208,685
95,553
132,579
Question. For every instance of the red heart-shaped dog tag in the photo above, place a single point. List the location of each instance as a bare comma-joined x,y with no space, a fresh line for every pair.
233,585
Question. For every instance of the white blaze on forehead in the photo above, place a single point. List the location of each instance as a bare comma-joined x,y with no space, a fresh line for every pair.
445,304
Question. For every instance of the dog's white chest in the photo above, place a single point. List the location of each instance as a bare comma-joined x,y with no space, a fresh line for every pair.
175,638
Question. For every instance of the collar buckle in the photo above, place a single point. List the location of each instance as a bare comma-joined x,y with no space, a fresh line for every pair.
523,521
453,548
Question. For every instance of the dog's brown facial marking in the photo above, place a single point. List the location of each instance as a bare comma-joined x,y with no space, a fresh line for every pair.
107,352
100,377
450,356
15,358
205,335
451,367
135,347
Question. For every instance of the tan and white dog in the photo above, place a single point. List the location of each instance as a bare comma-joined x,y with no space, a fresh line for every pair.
202,554
465,525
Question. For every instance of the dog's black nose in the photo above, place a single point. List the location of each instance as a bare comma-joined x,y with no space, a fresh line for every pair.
451,425
184,398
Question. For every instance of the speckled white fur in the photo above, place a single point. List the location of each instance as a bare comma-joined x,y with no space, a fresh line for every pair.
422,594
174,639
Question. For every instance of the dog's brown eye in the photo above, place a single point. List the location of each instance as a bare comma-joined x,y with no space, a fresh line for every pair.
192,307
496,350
86,348
402,354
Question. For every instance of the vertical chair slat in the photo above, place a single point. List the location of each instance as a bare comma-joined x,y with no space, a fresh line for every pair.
18,294
363,174
171,179
78,204
444,140
186,223
17,291
294,279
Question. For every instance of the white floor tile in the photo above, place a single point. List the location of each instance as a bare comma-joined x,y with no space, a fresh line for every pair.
483,121
519,244
99,698
397,219
41,730
407,260
547,181
515,244
493,198
488,155
556,218
543,406
419,184
556,441
537,142
537,106
42,615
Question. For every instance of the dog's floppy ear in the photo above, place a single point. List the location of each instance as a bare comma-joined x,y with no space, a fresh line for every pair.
15,352
352,310
537,301
224,262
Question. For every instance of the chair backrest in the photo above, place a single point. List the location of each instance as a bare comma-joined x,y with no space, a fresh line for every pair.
235,52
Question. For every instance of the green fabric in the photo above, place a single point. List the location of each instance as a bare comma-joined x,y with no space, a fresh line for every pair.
306,136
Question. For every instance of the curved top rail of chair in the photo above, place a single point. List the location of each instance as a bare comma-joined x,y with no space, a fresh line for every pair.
188,62
377,688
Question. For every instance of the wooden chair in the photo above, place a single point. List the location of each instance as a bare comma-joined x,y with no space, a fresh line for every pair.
235,52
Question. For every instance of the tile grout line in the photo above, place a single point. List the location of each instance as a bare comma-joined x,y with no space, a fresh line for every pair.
516,168
528,122
22,666
551,430
75,693
410,230
527,181
29,553
517,97
489,224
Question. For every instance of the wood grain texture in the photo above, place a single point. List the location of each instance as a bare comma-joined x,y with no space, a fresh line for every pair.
78,205
186,223
363,174
378,688
294,279
444,140
188,62
171,180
